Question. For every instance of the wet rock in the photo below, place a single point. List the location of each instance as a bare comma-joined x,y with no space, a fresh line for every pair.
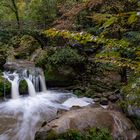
104,101
43,124
97,95
115,107
18,64
132,135
117,91
89,117
113,98
134,110
107,94
7,122
26,47
96,99
134,113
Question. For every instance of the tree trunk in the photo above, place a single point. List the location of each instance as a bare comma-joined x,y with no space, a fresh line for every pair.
16,13
123,73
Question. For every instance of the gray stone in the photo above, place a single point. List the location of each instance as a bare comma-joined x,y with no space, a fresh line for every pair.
113,98
96,99
104,101
97,95
88,117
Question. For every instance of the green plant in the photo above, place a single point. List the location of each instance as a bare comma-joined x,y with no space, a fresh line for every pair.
89,134
65,56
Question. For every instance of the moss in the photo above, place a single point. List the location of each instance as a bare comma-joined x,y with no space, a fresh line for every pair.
25,46
7,87
71,135
56,76
131,91
89,134
3,54
136,121
42,59
65,56
23,87
78,92
52,135
131,99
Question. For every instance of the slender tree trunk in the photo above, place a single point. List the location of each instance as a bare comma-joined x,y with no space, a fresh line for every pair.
123,73
16,13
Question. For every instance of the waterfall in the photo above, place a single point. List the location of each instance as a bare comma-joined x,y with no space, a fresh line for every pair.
15,88
21,118
31,87
42,83
33,76
4,89
35,80
14,80
37,84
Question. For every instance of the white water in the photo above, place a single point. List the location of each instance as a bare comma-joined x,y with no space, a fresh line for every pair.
42,81
43,85
37,83
30,112
14,84
74,101
31,88
21,117
34,78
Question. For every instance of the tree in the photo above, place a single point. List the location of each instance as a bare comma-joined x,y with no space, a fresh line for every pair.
12,6
119,35
42,11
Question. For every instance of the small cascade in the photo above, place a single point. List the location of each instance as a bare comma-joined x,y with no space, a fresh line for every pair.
17,121
31,88
33,76
42,83
13,78
4,89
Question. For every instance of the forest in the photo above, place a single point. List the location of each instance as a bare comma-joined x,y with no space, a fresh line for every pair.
87,53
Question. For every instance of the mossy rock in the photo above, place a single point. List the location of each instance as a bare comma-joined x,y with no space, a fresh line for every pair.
3,54
59,77
27,46
23,87
131,99
73,134
7,87
136,121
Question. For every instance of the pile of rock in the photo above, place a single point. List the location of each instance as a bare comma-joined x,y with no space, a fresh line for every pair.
105,98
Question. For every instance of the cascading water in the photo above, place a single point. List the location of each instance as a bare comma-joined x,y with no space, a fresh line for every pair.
31,88
34,78
14,80
21,118
42,83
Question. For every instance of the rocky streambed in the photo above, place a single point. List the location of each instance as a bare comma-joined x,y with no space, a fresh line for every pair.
120,127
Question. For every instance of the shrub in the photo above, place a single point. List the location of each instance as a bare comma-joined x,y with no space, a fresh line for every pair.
90,134
66,56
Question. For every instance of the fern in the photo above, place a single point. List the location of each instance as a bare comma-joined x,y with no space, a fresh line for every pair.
109,22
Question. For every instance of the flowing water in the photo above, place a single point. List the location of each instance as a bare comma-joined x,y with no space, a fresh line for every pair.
21,116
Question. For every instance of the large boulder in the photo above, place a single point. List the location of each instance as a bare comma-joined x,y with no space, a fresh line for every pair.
89,117
131,99
18,64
